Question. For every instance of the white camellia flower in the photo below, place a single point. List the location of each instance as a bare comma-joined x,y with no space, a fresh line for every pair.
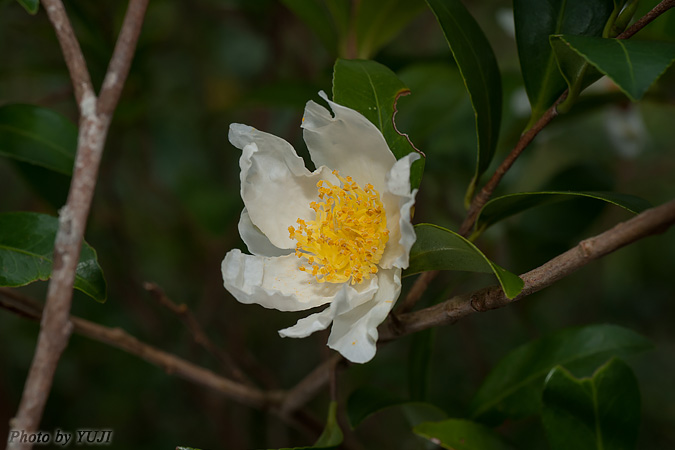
338,236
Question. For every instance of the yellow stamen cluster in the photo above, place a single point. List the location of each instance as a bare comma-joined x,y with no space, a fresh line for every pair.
348,236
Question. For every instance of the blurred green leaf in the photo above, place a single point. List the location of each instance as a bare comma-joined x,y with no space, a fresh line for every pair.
460,434
477,64
500,208
438,248
513,388
38,136
597,413
51,186
372,89
30,5
378,21
535,21
317,16
27,248
633,65
366,401
419,363
332,434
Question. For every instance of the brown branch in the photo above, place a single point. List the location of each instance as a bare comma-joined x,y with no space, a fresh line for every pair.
198,333
56,326
310,385
526,138
120,63
77,67
652,221
416,291
171,364
659,9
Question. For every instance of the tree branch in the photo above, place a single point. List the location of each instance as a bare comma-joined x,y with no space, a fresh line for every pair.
197,332
77,67
526,138
652,221
659,9
171,364
56,326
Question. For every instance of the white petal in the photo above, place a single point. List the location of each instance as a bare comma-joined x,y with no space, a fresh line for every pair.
398,200
348,142
274,282
347,298
354,332
275,185
255,240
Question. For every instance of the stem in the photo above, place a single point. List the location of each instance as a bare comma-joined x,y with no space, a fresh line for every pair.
56,326
652,221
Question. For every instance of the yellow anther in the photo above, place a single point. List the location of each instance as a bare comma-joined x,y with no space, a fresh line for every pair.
348,236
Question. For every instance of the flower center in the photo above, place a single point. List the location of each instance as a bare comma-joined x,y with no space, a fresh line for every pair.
348,236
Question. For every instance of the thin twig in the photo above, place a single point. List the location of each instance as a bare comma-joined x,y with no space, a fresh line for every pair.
171,364
650,222
56,326
526,138
198,333
309,386
659,9
416,291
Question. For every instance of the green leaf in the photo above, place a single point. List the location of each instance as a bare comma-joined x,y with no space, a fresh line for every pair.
597,413
378,21
460,434
38,136
51,186
477,64
438,248
500,208
27,248
513,388
633,65
30,5
372,89
535,21
367,401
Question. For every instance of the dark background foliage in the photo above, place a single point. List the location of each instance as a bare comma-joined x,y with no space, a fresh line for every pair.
167,206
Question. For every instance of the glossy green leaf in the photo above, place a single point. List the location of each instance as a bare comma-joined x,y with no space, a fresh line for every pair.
38,136
460,434
438,248
378,21
535,21
367,401
26,252
477,64
597,413
372,89
30,5
500,208
513,388
632,64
